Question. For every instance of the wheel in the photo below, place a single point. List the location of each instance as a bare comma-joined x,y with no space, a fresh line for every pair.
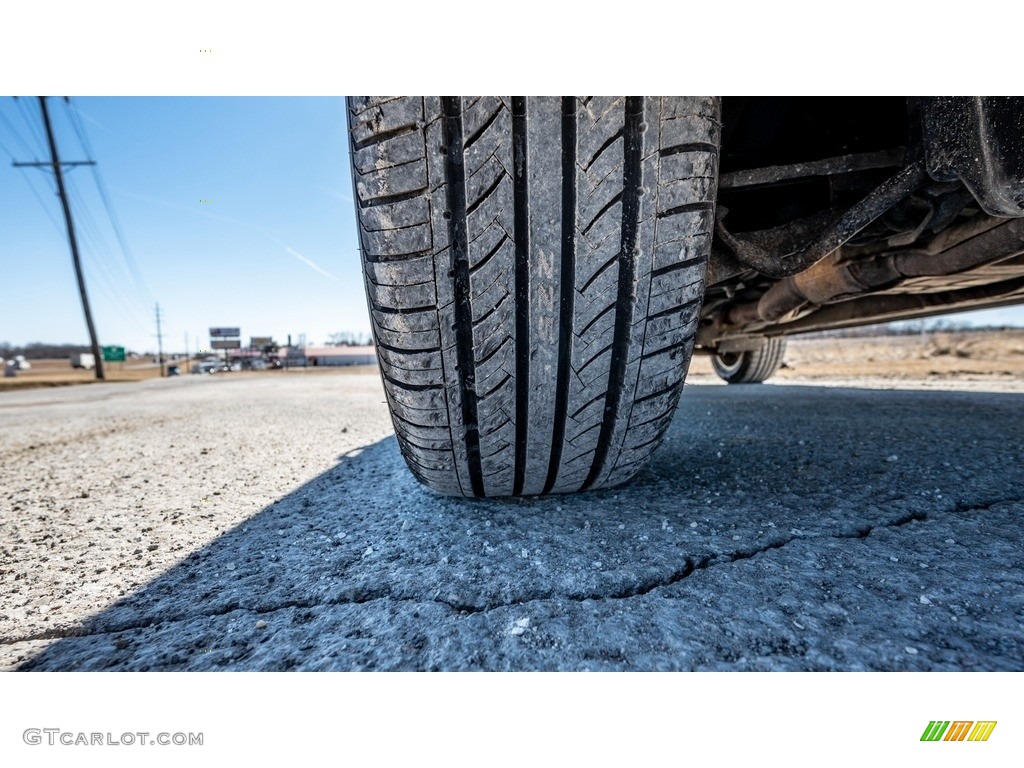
534,269
751,366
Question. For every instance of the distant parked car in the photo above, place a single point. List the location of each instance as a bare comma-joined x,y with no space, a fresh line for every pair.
21,363
206,367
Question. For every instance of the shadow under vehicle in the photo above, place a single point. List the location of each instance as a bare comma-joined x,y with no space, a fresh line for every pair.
540,270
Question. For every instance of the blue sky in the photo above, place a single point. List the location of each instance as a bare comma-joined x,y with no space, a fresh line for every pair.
274,251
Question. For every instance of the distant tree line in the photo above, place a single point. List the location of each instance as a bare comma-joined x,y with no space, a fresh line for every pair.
349,339
907,328
37,350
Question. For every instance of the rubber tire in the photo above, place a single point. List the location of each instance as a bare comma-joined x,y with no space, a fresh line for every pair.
535,272
753,366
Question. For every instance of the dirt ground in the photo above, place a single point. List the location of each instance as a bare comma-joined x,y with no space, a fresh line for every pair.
980,357
984,356
59,373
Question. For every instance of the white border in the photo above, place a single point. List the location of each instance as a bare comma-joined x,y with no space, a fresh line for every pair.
69,47
307,47
474,720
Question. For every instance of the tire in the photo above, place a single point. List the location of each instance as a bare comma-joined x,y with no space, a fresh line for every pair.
752,366
535,272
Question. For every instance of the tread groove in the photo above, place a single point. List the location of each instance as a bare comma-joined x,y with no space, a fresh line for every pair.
589,403
599,272
497,452
591,428
410,387
403,310
483,128
678,265
677,308
394,258
597,317
487,193
487,258
400,197
658,393
414,351
493,352
602,212
693,146
491,311
377,138
495,428
397,166
600,352
375,284
411,423
495,388
632,177
567,286
669,348
703,205
458,234
521,227
602,148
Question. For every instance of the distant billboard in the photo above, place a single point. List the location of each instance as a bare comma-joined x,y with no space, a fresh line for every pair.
225,333
260,341
226,343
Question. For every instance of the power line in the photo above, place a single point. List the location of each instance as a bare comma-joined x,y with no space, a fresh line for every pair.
83,138
33,129
95,246
106,280
24,175
111,300
58,174
32,188
7,151
128,302
42,203
109,279
84,214
17,136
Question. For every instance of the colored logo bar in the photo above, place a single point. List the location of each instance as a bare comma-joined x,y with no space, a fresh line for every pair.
958,730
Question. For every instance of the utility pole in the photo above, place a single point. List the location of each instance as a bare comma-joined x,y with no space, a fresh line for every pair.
57,165
159,341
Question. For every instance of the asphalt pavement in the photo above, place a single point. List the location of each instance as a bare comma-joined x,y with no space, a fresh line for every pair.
269,523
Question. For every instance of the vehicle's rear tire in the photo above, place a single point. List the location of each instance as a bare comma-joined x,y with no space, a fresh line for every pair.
752,366
535,271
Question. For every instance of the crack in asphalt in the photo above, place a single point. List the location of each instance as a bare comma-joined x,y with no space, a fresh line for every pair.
711,561
689,567
985,506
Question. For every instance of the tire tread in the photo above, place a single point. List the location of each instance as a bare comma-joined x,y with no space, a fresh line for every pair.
534,269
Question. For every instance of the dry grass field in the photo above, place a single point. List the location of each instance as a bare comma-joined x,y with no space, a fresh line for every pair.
58,373
996,356
988,355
